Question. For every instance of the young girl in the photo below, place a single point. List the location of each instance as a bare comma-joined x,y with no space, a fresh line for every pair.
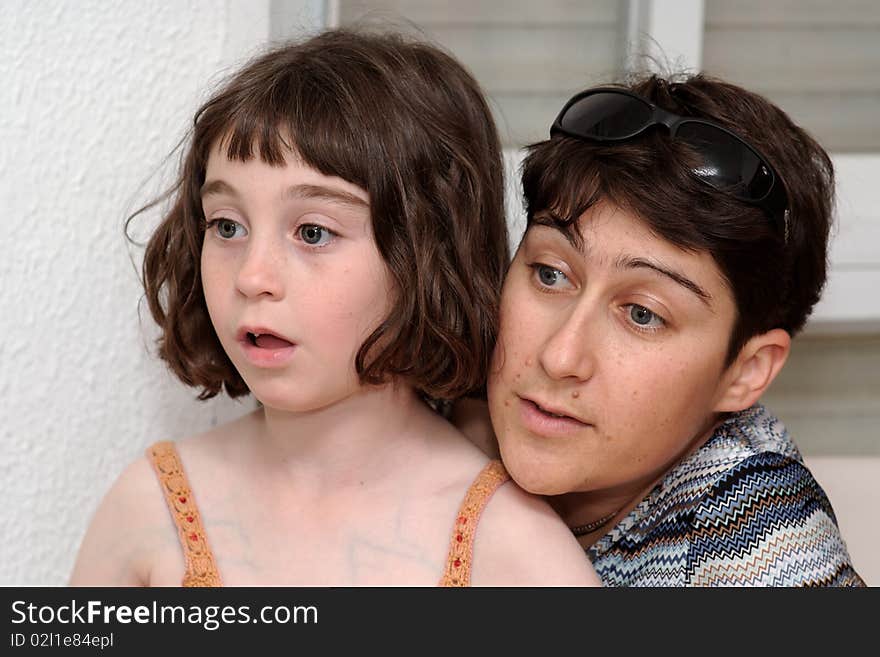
335,247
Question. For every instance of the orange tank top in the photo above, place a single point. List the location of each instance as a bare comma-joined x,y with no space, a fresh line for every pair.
201,569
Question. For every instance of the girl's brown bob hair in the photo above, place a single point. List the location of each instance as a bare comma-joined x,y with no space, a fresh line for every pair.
408,124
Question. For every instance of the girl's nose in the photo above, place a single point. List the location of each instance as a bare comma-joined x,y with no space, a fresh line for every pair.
261,271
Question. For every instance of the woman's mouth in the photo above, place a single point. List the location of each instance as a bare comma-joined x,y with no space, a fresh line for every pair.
548,422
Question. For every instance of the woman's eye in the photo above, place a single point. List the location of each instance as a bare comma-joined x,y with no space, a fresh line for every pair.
549,276
644,318
226,228
314,235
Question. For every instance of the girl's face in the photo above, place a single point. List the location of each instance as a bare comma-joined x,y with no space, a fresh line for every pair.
610,358
292,278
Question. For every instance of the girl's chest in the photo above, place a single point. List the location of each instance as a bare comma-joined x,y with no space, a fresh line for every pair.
331,545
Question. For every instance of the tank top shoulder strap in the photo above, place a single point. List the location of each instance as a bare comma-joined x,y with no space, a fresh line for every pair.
461,545
201,570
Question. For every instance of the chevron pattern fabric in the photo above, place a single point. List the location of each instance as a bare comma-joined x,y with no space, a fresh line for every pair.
743,510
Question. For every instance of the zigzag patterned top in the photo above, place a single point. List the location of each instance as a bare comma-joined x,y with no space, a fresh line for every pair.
743,510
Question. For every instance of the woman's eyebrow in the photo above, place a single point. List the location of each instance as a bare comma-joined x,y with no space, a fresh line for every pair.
629,262
624,261
568,230
325,193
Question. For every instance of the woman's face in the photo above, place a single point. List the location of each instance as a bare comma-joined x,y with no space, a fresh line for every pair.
292,278
610,357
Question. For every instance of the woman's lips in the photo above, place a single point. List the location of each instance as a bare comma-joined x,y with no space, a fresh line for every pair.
543,423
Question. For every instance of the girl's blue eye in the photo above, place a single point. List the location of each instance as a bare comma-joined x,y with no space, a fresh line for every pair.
645,318
226,228
550,276
314,235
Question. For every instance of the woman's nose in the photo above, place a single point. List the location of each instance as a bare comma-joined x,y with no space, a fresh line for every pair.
569,351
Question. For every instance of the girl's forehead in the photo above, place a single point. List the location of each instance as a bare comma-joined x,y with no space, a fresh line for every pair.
228,146
293,173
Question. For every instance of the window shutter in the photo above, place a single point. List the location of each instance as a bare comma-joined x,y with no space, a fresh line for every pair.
529,57
818,60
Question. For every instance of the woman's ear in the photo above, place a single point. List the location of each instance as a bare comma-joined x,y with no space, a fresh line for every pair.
753,370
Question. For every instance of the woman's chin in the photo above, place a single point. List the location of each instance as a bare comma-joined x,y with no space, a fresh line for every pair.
540,480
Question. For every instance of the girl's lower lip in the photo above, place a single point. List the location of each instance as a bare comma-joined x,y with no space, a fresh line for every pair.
267,357
540,423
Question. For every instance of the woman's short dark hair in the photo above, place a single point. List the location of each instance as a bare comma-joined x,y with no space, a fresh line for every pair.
407,123
775,283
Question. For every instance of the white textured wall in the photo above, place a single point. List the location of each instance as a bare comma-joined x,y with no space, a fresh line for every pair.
93,96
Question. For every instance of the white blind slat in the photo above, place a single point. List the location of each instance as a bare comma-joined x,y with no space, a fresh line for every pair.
787,14
529,57
493,12
820,61
531,60
790,61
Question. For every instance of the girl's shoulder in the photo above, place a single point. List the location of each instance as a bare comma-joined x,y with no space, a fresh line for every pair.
131,539
523,542
128,532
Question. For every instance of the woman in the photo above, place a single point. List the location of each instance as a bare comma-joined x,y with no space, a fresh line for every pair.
676,241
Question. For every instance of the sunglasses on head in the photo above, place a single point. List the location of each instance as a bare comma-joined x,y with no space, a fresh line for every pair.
729,163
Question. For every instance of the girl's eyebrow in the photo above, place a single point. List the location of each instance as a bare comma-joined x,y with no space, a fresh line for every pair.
301,191
325,193
217,187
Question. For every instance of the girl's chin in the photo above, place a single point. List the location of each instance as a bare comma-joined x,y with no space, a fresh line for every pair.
284,404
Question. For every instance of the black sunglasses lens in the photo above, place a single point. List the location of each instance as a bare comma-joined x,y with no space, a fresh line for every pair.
728,163
606,115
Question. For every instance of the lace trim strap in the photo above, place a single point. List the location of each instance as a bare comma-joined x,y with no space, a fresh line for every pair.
201,570
461,545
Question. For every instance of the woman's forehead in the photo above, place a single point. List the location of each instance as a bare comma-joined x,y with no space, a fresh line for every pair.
613,238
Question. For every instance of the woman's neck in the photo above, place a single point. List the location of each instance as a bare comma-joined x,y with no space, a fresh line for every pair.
605,507
615,503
